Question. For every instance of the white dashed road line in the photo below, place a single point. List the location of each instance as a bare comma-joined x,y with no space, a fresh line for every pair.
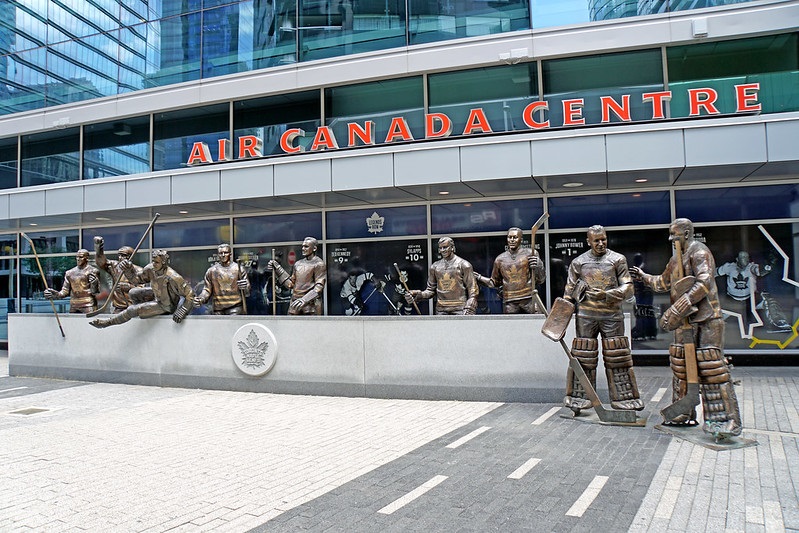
467,438
658,395
587,497
412,495
543,418
526,467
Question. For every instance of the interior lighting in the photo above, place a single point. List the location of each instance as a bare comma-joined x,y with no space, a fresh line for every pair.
641,180
34,224
102,219
183,212
573,184
443,193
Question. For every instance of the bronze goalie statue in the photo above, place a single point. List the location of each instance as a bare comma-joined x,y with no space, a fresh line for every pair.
696,356
599,281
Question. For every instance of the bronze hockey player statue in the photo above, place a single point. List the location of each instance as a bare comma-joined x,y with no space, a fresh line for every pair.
307,280
120,298
696,356
226,285
516,272
451,281
81,284
163,296
598,282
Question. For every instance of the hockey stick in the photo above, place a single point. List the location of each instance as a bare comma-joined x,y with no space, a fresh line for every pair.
44,280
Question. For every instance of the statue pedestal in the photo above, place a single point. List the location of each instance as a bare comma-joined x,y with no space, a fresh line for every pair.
485,358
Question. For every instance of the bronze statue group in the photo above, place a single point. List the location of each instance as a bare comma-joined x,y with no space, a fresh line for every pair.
599,281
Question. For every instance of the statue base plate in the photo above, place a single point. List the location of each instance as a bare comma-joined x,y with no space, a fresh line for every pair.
695,435
590,416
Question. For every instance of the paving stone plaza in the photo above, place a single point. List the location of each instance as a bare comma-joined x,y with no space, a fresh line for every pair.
78,456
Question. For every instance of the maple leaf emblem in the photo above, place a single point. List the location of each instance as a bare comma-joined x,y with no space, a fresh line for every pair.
253,351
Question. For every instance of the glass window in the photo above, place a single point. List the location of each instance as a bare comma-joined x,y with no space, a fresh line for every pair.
262,300
275,34
32,286
738,203
176,132
116,237
759,304
589,78
341,27
8,163
609,210
116,148
194,233
173,50
227,39
278,228
268,118
377,222
136,51
83,69
23,76
51,242
50,157
192,265
485,216
362,280
380,102
177,7
548,13
501,92
772,61
438,21
8,285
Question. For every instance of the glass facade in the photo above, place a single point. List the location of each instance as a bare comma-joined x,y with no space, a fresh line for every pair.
361,247
53,53
771,61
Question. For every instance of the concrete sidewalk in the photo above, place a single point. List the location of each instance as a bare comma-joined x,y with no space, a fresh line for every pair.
99,457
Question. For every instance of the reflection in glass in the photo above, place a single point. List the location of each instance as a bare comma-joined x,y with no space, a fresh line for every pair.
261,298
115,237
738,203
227,39
23,80
548,13
379,102
772,61
437,21
485,216
51,157
8,163
268,118
362,280
501,92
32,286
176,132
274,33
278,228
173,51
195,233
116,148
588,78
609,210
377,222
192,264
340,27
51,242
8,280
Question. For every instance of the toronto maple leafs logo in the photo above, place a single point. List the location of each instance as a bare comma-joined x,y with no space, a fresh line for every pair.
375,223
253,351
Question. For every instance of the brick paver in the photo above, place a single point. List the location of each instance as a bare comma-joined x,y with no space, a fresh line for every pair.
127,458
